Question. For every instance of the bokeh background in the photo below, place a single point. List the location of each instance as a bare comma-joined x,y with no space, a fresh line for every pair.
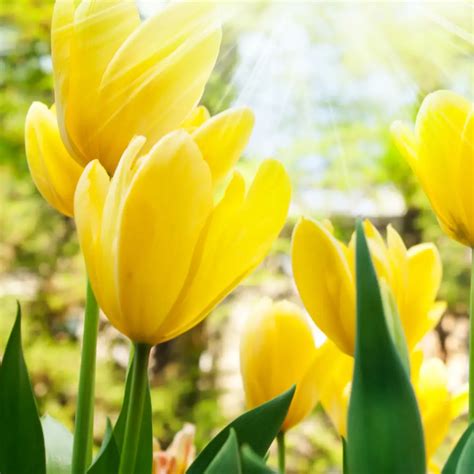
325,80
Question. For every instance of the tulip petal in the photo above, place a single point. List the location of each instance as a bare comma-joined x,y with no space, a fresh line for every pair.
424,280
166,81
89,199
53,170
324,281
406,142
167,205
62,29
113,206
195,119
223,138
439,125
236,240
465,178
434,401
99,29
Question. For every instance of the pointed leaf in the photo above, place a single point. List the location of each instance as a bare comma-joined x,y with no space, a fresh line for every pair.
58,441
453,460
384,427
253,464
257,428
108,458
21,436
466,459
145,453
227,459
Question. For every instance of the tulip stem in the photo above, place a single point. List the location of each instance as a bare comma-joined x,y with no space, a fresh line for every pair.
471,344
83,430
135,408
281,452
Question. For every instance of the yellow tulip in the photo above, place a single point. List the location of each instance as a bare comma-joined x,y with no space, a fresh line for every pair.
159,252
438,406
324,272
54,171
278,350
117,77
441,153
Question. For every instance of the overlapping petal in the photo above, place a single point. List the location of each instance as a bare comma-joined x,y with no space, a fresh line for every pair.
238,236
223,138
54,171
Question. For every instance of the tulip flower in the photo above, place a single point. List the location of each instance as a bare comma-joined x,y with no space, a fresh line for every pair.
441,153
54,171
159,251
324,272
277,351
438,406
117,77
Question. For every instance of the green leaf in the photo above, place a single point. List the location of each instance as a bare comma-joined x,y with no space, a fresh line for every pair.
108,458
22,448
145,452
256,428
394,325
384,427
253,464
466,459
58,441
227,460
453,460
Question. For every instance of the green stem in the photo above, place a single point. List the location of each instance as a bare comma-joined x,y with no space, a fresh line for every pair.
345,464
471,344
281,452
83,431
135,408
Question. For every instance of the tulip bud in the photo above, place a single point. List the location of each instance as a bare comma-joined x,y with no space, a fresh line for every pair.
277,351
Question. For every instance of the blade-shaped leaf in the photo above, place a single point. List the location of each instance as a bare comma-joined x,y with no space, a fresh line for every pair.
453,460
21,436
384,427
256,428
144,461
58,441
253,464
108,458
227,460
466,459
